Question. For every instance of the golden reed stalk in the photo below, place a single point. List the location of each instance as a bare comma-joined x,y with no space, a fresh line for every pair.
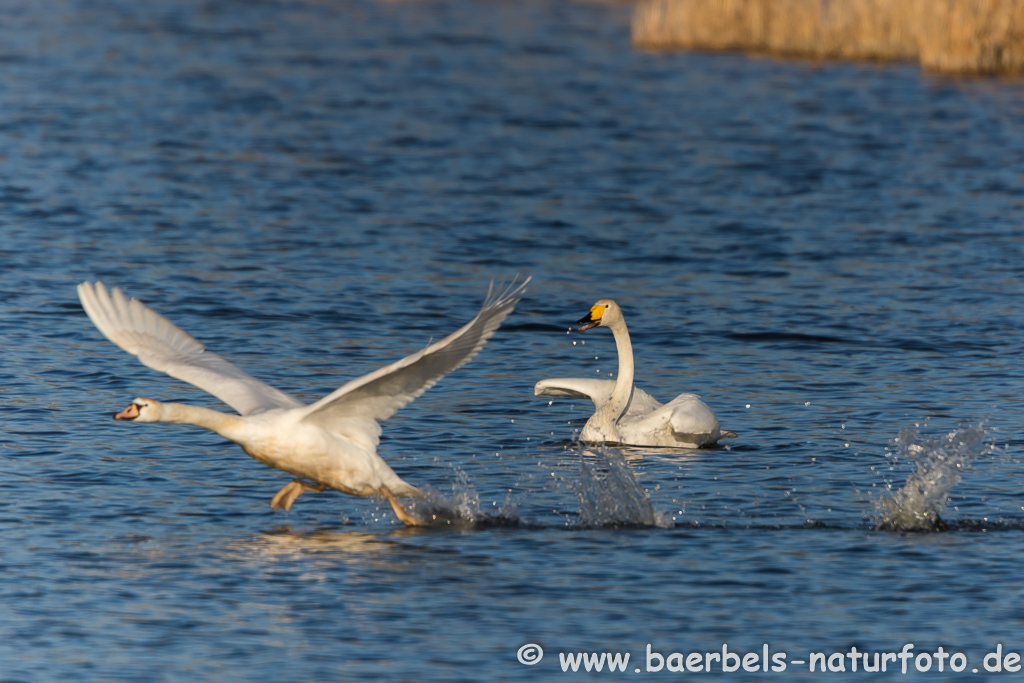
951,36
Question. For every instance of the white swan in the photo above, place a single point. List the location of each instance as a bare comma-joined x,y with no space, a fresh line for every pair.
626,414
331,443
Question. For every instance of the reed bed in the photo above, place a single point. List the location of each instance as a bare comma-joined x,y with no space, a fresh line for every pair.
950,36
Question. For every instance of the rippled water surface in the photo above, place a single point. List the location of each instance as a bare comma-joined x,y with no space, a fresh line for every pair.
827,253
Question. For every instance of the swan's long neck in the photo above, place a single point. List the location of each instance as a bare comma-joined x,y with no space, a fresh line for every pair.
228,426
623,391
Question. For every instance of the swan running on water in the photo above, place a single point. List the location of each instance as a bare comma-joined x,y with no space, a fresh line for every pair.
626,414
329,444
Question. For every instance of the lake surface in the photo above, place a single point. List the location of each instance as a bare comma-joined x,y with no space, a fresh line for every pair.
829,254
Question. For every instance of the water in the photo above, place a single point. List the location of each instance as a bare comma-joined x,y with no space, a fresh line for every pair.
827,253
610,494
939,465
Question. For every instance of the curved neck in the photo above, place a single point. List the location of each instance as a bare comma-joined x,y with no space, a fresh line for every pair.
214,420
623,391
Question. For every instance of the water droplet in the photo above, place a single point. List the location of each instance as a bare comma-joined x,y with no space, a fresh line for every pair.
748,405
807,403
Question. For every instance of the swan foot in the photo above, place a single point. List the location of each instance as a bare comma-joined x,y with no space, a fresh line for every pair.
403,516
292,490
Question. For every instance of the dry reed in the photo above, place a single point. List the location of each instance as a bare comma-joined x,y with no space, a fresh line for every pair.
952,36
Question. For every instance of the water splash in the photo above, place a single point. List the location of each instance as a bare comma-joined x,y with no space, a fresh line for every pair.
461,509
938,467
610,495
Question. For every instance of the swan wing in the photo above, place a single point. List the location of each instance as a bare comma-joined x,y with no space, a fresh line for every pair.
690,415
380,394
160,344
686,422
641,404
597,390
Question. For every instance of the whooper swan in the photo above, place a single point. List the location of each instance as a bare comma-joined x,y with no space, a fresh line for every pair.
329,444
625,414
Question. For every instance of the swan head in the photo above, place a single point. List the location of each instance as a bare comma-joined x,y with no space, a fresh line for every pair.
141,410
602,314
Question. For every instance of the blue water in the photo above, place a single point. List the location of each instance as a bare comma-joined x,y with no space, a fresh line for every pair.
827,253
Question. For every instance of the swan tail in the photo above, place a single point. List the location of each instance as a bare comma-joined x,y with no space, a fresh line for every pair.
728,435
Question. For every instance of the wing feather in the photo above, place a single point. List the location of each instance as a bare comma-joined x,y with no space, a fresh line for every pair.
381,393
160,344
688,414
597,390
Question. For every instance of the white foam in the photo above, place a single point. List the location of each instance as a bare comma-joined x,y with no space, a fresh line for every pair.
939,465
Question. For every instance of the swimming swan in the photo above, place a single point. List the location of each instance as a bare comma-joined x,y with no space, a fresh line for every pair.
626,414
331,443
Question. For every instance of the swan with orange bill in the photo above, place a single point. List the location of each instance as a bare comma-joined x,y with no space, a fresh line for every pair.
626,414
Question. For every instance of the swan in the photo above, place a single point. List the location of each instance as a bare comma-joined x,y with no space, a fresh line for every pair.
625,414
331,443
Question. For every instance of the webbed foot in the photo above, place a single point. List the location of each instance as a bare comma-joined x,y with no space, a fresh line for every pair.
403,516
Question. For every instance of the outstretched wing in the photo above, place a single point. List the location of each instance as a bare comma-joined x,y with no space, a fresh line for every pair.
380,394
597,390
163,346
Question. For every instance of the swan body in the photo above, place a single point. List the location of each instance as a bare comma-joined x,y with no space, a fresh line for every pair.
331,443
625,414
